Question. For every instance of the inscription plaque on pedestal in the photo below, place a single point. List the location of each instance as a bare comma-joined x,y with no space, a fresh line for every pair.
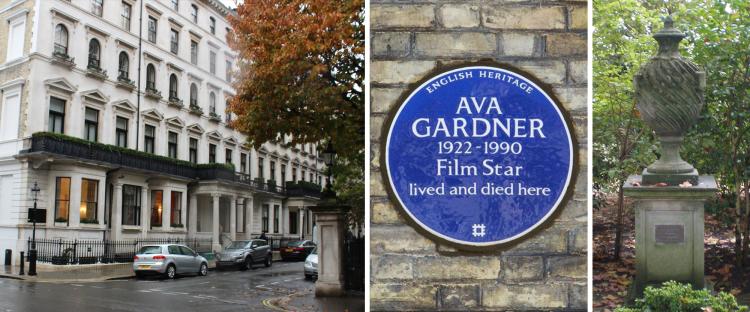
669,233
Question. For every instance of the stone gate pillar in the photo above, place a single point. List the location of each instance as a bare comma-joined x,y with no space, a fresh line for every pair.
330,221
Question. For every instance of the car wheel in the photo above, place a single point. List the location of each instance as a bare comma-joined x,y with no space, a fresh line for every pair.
248,265
308,277
204,269
171,272
269,261
139,275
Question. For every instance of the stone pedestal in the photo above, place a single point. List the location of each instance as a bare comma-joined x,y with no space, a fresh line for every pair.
669,232
330,223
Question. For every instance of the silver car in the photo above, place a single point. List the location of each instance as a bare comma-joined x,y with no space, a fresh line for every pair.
244,254
169,260
311,265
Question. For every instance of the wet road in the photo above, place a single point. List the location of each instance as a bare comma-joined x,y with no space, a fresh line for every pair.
263,289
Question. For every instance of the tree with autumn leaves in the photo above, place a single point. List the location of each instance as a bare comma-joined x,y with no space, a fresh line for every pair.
301,71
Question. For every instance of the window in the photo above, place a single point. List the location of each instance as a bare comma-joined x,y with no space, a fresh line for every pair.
212,63
56,115
228,115
194,150
121,132
212,25
311,178
91,124
193,95
176,208
172,145
124,67
304,173
94,52
176,5
150,77
193,52
126,12
276,213
294,175
173,88
194,13
320,180
273,171
62,199
89,200
97,7
228,71
16,34
264,221
174,41
228,156
212,103
243,162
283,174
157,208
212,153
152,29
260,167
148,140
131,205
61,40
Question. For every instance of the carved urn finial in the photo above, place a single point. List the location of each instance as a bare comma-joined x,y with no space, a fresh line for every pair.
669,95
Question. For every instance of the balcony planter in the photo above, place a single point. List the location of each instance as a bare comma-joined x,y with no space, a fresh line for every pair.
63,59
153,93
125,83
197,110
96,72
214,117
271,184
176,102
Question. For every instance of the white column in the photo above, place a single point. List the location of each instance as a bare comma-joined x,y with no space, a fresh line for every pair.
271,214
183,207
215,221
145,211
330,251
74,212
233,217
102,193
249,210
166,202
300,223
193,211
116,211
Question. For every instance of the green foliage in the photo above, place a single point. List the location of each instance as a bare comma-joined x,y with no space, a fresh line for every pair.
676,297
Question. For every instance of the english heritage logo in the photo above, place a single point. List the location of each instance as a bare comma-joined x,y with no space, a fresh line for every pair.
478,155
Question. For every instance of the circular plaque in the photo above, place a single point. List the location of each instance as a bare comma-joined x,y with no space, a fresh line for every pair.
478,155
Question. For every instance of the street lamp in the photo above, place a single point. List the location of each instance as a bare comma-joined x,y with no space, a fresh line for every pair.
32,253
329,158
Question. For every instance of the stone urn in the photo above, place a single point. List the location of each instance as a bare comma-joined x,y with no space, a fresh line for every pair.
669,96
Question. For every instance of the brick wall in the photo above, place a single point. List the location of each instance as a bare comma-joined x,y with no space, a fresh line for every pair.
546,270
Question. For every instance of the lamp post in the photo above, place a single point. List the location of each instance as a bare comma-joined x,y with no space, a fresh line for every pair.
329,158
32,253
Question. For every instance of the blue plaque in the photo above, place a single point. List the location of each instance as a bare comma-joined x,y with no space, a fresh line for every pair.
478,155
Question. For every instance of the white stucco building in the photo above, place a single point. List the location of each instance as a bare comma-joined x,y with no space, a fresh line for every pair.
72,118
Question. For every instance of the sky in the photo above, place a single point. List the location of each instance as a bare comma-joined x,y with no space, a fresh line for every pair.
230,3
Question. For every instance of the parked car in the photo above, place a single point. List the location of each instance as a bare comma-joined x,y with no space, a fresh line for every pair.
244,254
168,260
311,264
297,250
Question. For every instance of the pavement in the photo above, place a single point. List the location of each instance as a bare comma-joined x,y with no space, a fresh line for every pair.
281,287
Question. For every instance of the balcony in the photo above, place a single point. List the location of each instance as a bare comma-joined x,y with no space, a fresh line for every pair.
195,109
302,188
152,92
124,82
213,116
60,56
93,70
66,147
174,100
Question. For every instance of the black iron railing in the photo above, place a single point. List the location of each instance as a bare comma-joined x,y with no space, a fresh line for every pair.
61,252
354,263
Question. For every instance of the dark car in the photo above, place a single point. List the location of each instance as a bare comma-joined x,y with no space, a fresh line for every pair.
244,254
297,250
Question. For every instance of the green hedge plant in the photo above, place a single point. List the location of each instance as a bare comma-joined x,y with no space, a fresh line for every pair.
676,297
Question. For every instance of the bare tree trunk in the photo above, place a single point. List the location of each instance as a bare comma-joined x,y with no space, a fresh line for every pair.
739,244
618,224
